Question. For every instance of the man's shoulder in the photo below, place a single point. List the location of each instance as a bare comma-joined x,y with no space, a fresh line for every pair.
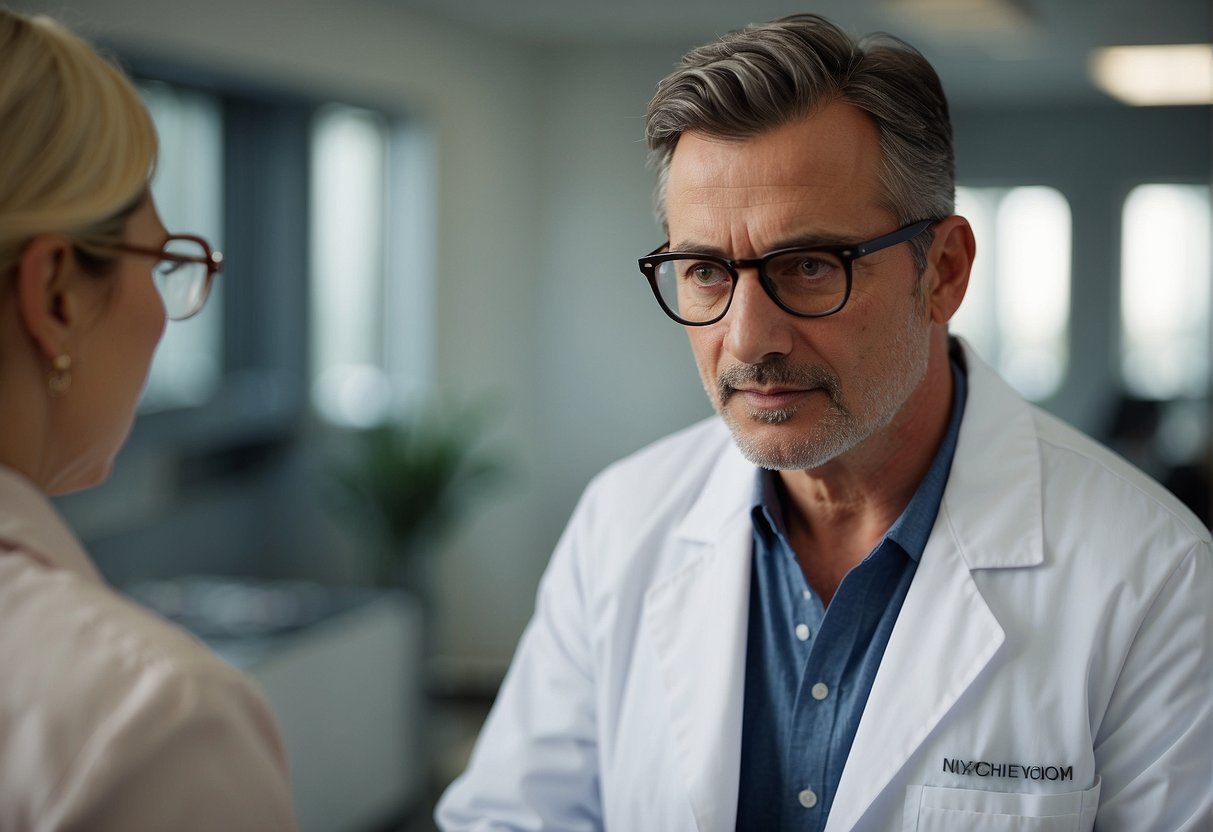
699,443
1080,474
664,479
674,462
1018,465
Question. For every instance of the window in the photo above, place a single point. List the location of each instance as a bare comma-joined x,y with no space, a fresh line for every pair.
349,157
371,288
1017,308
1164,292
221,420
225,389
188,189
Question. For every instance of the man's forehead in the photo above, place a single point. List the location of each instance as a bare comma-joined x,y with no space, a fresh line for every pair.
710,194
794,195
836,147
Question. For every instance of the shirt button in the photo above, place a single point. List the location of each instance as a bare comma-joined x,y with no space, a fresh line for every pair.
804,593
802,632
819,691
808,798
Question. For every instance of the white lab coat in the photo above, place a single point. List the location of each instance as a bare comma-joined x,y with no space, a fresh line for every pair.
1051,669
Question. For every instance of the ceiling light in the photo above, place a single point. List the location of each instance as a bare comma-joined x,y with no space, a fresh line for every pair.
1155,75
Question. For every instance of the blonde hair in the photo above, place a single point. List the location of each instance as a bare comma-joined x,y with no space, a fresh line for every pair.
77,145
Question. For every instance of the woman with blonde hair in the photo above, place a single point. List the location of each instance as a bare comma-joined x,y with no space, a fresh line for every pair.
110,718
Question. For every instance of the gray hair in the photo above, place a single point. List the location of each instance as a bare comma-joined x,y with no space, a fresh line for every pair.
764,76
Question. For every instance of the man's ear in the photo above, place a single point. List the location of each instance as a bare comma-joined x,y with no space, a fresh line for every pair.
46,301
949,262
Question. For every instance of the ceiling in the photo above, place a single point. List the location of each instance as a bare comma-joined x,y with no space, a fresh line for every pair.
1040,57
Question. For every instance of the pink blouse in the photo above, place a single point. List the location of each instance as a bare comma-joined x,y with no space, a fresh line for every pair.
110,717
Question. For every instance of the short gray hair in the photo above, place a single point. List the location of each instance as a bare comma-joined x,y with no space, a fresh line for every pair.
764,76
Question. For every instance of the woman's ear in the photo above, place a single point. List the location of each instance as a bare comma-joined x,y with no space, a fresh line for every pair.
45,290
950,260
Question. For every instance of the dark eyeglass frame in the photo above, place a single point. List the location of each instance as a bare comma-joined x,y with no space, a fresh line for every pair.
213,260
847,253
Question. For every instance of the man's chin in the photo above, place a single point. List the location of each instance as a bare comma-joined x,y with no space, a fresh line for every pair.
784,445
765,444
772,456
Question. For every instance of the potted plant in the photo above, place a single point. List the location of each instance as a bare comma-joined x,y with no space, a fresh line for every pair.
407,482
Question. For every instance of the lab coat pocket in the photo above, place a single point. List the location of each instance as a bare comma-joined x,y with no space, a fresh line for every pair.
936,809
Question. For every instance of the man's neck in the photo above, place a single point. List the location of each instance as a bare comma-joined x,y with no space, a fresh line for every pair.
837,513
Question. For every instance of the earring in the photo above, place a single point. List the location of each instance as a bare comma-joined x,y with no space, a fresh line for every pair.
60,378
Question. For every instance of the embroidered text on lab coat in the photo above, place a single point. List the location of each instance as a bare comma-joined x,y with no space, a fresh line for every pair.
1014,771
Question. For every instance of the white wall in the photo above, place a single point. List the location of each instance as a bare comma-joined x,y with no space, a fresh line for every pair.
617,373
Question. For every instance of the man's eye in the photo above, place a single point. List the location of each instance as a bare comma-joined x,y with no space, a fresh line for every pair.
705,274
811,266
804,266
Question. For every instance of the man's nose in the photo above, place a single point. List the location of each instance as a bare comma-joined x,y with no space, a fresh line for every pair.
757,328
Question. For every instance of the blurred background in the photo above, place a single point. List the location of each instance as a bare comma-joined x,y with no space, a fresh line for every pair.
348,474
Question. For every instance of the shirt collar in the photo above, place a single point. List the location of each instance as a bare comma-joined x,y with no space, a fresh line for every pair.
29,522
910,530
766,507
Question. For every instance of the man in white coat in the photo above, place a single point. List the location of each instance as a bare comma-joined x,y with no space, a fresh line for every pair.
880,591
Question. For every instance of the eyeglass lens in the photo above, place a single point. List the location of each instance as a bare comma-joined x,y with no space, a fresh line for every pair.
698,289
183,284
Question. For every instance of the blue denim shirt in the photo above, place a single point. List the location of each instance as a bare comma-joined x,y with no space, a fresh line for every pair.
809,669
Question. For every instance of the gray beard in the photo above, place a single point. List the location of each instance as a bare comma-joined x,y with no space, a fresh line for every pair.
798,451
840,429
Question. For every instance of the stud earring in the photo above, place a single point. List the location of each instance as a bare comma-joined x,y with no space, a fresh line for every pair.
60,378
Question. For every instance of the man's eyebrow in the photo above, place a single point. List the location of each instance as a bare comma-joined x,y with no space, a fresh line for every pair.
813,240
691,246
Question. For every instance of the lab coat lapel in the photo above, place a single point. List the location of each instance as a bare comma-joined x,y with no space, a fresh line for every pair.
946,634
697,621
936,651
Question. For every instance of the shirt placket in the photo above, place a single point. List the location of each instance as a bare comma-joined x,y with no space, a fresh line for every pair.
814,710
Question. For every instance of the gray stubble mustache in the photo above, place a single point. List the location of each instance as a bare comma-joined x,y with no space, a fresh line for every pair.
778,371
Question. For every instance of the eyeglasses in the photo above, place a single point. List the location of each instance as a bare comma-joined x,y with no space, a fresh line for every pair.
183,274
809,282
